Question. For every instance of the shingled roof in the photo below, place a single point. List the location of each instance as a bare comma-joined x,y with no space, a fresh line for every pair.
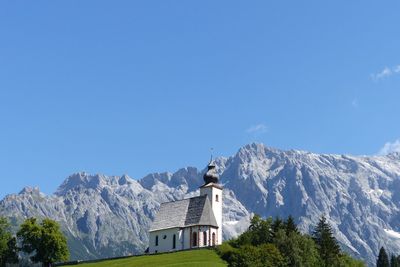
184,213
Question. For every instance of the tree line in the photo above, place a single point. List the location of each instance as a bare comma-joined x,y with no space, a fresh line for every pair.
40,242
384,261
276,242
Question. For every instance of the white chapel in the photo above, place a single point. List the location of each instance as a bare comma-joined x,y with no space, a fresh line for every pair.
190,223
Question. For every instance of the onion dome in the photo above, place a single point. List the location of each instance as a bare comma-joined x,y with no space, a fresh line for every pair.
211,175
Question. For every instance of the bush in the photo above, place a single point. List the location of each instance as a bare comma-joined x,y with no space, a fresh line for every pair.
347,261
249,256
227,252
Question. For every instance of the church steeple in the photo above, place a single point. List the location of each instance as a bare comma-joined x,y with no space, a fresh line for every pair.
213,190
211,175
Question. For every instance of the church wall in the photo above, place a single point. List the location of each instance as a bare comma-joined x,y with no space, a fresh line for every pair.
166,244
184,237
188,239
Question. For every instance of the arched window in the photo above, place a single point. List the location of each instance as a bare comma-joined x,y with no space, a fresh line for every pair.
205,238
173,241
194,239
213,239
216,198
156,240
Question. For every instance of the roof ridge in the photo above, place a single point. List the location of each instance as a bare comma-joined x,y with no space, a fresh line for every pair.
173,201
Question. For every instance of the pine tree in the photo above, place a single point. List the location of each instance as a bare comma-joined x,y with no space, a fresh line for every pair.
383,259
328,247
394,261
277,224
290,225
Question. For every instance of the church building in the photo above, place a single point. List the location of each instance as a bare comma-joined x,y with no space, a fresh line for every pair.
190,223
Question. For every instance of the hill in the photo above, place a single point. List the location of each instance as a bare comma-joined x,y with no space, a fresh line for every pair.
195,258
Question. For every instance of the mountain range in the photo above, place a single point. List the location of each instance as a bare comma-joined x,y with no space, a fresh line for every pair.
105,216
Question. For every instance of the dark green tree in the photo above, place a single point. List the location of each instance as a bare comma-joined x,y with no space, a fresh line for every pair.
297,249
279,243
290,225
259,232
327,245
44,240
8,246
277,225
394,261
227,252
383,259
265,255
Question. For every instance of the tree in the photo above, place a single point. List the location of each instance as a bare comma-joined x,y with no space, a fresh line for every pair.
290,225
259,232
227,252
347,261
298,250
8,244
270,255
44,241
394,261
383,259
279,243
277,225
29,235
327,245
265,255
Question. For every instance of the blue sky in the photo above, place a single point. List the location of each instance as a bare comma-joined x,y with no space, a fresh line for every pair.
135,87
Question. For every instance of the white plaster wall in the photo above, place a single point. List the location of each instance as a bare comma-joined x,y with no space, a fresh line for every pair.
212,192
199,230
182,238
164,245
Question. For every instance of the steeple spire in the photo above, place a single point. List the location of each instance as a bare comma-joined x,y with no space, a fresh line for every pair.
211,176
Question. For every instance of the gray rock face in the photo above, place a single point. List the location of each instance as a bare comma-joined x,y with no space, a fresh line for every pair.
110,216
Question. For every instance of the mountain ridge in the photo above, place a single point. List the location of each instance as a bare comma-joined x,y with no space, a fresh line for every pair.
110,215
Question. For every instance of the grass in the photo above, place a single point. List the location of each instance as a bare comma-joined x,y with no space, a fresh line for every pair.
195,258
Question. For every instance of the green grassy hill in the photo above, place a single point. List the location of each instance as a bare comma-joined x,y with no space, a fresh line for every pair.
195,258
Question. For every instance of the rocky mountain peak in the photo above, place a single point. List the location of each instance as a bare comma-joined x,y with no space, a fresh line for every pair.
110,215
30,191
394,155
83,180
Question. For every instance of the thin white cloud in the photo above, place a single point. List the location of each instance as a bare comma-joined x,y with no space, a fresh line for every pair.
390,147
355,103
385,73
257,129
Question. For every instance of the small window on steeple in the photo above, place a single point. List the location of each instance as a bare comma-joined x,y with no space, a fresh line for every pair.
216,198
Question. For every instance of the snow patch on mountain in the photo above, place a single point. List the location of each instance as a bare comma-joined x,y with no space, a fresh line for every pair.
392,233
